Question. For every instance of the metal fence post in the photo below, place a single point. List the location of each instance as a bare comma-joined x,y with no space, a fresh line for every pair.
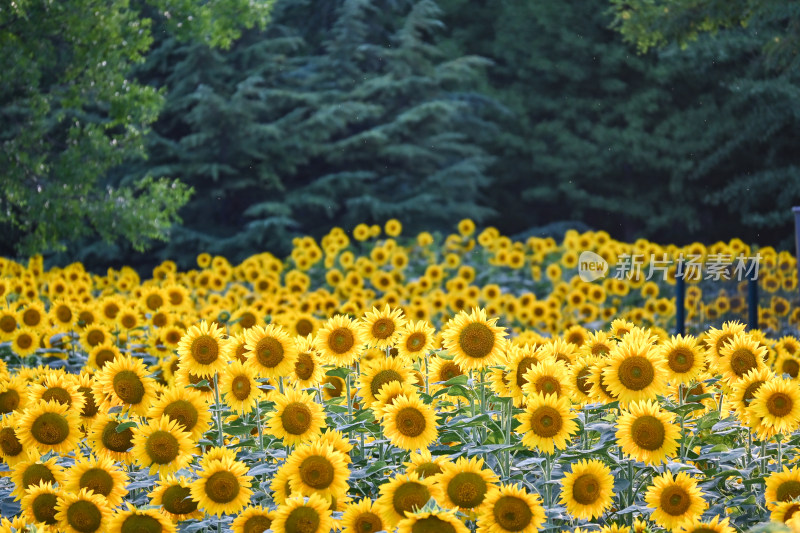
680,305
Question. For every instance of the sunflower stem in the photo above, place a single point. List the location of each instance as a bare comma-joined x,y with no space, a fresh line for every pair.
280,384
630,486
763,457
547,471
509,418
427,387
258,426
780,452
218,411
349,405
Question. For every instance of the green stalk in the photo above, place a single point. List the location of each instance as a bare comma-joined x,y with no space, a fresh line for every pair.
780,452
258,425
218,411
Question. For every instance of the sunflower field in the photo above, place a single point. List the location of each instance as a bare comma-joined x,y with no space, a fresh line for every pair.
375,382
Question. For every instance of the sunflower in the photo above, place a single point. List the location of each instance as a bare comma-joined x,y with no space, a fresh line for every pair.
185,406
441,521
548,377
738,356
380,373
308,370
200,350
185,379
785,511
39,503
676,500
82,512
744,390
239,386
474,341
33,471
318,469
94,334
107,441
409,423
783,486
102,354
580,374
520,360
333,387
33,315
280,485
382,329
49,427
24,341
440,371
12,450
297,418
60,388
547,423
715,525
253,520
361,517
13,395
389,393
162,445
124,382
597,344
511,509
558,349
425,465
635,371
270,351
222,487
339,340
464,485
416,339
778,403
403,494
588,490
99,475
715,339
174,496
647,433
133,520
301,515
685,360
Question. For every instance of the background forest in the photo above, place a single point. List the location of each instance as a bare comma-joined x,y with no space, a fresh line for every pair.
235,132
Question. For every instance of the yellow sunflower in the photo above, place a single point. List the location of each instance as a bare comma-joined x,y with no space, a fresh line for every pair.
777,402
308,371
715,525
635,371
520,360
785,511
162,445
222,487
253,520
280,485
95,334
49,427
25,341
82,512
409,423
12,450
174,496
107,441
715,339
185,406
511,509
270,351
133,520
303,515
416,339
744,390
548,377
389,393
580,374
443,521
647,433
382,329
200,350
13,395
783,486
425,465
239,386
33,471
297,418
676,500
339,340
318,469
474,341
102,354
685,360
588,490
60,388
738,356
379,373
124,382
33,315
464,485
99,475
39,504
558,349
404,493
440,371
547,423
361,517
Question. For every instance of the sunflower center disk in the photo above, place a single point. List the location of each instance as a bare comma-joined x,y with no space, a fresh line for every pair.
241,387
548,385
178,500
449,371
512,513
522,367
636,373
546,422
84,516
427,469
50,428
317,472
302,520
779,404
304,327
582,380
205,349
162,447
9,443
415,342
382,378
182,412
35,474
680,360
368,523
117,442
788,490
675,501
467,490
476,340
296,418
410,496
410,422
750,391
141,524
222,487
269,352
89,405
129,387
95,337
9,400
24,341
97,480
742,361
304,367
341,340
44,508
58,394
648,432
383,328
586,489
104,356
432,524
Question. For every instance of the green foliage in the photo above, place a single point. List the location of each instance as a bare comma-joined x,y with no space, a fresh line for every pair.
69,112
